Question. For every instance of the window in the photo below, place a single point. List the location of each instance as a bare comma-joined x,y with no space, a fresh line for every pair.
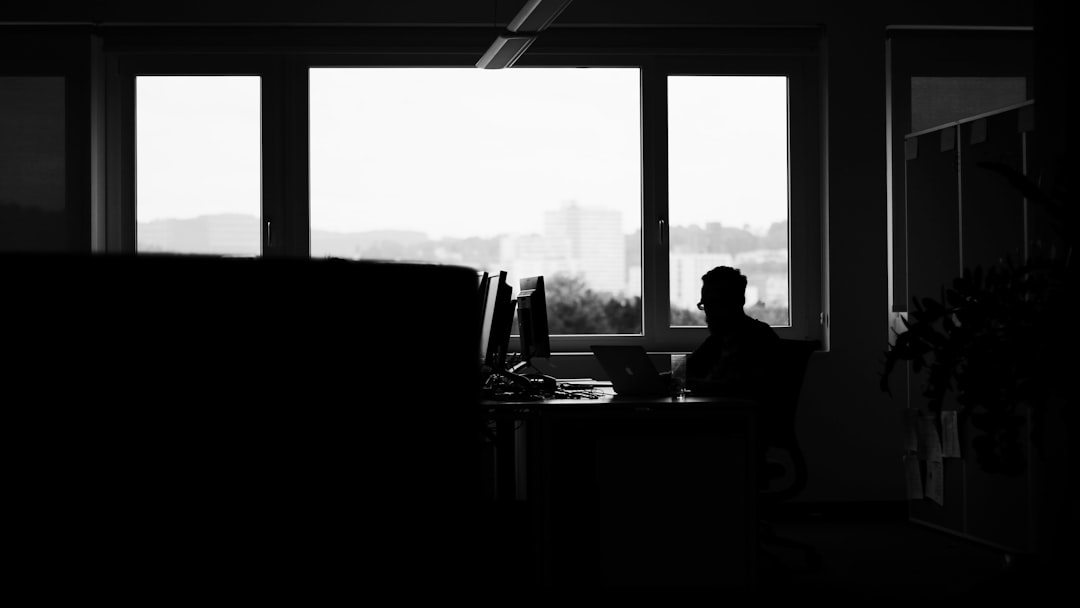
621,183
536,171
198,152
728,190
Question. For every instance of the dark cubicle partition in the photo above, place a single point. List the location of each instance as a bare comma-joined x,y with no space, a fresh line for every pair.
181,421
961,215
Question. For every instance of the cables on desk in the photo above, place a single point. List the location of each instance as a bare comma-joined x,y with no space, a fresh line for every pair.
510,386
566,391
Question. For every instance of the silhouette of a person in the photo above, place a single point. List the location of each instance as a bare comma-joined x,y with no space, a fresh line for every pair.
734,359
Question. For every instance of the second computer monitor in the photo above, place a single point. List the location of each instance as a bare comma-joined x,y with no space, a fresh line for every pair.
532,319
498,317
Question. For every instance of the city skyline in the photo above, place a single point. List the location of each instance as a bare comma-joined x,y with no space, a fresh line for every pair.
575,240
253,220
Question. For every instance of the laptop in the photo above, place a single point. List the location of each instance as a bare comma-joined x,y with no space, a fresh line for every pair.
631,371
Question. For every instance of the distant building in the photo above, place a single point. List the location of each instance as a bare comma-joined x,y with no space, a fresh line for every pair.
535,255
233,234
753,294
633,280
761,256
224,234
587,242
776,290
768,287
686,270
595,240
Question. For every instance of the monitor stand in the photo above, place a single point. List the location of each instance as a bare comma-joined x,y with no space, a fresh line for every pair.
517,382
538,380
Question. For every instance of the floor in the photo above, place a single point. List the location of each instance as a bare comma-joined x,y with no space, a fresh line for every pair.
859,560
891,561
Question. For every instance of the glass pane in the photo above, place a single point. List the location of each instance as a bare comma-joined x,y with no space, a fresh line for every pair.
940,100
198,180
32,164
728,190
536,171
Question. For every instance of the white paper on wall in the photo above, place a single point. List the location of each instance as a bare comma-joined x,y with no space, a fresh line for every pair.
929,440
950,435
911,433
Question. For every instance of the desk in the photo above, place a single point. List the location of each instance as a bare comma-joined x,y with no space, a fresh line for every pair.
640,490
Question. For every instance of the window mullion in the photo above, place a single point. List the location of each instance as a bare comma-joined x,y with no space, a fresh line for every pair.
654,207
274,161
296,217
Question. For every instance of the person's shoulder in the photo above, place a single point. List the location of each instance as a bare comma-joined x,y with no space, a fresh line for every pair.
761,327
707,344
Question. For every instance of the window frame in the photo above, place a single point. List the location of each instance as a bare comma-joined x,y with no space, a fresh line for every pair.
805,208
286,170
123,70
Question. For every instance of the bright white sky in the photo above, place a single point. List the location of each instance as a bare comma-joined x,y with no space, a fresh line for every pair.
468,152
727,150
197,146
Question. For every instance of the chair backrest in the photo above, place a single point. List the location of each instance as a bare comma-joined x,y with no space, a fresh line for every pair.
777,420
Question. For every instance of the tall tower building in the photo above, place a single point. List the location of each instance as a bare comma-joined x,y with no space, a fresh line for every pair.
594,240
685,275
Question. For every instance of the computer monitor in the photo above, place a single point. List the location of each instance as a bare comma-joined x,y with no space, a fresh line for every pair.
487,315
481,307
532,319
497,321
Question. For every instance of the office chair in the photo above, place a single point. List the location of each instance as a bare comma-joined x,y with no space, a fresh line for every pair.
783,472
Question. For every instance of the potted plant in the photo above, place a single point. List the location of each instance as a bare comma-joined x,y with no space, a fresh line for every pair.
1003,341
996,337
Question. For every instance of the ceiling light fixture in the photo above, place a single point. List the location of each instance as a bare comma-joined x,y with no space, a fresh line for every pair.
537,15
504,51
534,17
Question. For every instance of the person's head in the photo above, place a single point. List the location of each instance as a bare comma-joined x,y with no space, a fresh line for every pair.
723,293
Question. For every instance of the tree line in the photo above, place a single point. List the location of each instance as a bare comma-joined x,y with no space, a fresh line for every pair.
574,308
